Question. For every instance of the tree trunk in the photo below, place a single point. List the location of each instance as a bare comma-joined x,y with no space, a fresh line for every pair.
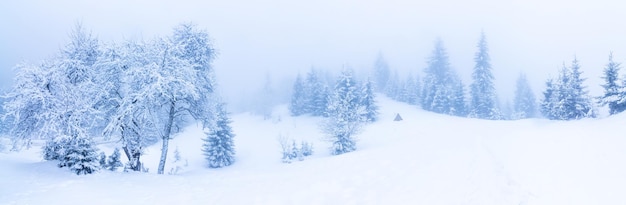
166,138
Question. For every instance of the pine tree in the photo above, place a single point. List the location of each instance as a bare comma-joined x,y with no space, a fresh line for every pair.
298,98
369,103
344,115
409,91
103,160
548,104
567,99
381,73
80,155
218,147
458,106
440,82
317,94
612,90
483,94
114,160
578,102
524,105
393,87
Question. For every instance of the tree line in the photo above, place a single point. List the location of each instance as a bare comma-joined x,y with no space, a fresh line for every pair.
441,90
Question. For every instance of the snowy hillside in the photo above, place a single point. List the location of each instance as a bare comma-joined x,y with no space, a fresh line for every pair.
425,159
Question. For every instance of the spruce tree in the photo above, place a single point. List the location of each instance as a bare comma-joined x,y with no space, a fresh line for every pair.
566,98
612,90
440,82
382,73
369,103
549,96
80,155
524,105
114,160
218,147
298,98
344,115
483,93
458,106
316,94
578,102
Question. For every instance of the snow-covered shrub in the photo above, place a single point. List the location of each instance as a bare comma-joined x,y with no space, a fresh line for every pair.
178,163
291,151
306,148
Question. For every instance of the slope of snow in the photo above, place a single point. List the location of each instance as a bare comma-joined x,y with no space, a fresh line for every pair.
425,159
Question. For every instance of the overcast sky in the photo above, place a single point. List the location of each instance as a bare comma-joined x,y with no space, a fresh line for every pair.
284,37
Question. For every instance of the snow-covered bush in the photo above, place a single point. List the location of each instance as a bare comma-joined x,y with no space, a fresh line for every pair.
291,151
178,163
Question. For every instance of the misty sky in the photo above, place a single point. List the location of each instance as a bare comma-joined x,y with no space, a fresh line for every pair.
284,37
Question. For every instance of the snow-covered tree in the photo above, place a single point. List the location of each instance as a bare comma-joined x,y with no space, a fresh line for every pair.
317,94
458,105
613,91
440,82
567,98
218,147
482,90
369,103
298,98
55,101
524,104
103,160
393,88
549,98
381,73
344,113
169,80
113,162
409,92
579,103
79,154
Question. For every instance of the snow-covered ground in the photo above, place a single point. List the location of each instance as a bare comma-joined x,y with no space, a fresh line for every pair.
425,159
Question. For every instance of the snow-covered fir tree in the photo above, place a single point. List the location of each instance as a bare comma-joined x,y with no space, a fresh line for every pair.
613,91
114,162
317,94
566,98
458,105
298,103
578,104
409,92
524,102
103,160
482,90
79,154
440,82
368,102
547,103
393,87
218,147
344,113
382,73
